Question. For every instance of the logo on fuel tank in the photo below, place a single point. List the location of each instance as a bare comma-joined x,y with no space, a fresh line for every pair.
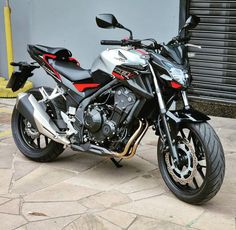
121,73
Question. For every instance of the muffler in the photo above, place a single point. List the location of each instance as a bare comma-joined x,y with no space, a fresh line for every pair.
29,107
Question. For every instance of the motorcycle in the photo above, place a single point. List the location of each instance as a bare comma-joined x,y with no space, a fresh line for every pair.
106,110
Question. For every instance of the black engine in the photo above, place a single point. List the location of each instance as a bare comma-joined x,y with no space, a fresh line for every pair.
104,121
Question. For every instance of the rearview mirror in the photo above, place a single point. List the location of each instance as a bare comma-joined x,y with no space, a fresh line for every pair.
191,22
107,21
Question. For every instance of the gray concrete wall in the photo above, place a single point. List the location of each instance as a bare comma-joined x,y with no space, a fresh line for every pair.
72,24
20,29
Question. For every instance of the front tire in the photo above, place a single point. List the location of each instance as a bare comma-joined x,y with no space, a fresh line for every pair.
201,173
32,144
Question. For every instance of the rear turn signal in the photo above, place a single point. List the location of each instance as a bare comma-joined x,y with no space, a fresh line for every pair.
175,85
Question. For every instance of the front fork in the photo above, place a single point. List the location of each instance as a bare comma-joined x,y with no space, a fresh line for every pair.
171,143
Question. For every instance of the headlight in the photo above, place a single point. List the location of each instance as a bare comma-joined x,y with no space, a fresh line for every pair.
179,76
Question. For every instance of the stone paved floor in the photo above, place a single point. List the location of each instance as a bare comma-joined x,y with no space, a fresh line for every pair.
85,192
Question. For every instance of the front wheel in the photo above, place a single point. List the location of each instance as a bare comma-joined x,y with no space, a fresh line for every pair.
202,165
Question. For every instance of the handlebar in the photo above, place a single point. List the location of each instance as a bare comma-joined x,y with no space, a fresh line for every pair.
124,42
111,42
134,42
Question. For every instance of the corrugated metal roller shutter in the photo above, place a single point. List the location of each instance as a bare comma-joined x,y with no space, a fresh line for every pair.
214,66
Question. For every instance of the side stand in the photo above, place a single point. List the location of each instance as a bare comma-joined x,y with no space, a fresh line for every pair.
116,163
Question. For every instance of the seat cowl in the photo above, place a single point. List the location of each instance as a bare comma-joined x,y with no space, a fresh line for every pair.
59,52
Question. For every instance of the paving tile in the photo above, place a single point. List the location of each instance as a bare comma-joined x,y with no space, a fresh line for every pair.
22,228
227,138
90,203
106,176
221,122
146,193
215,220
11,196
121,219
222,200
51,210
52,224
150,138
3,200
20,157
147,181
9,222
149,155
6,175
61,192
111,198
11,207
229,183
6,153
164,208
153,224
89,222
40,178
76,161
22,168
57,190
8,101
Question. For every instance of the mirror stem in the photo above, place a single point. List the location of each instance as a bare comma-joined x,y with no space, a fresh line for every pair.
118,25
131,33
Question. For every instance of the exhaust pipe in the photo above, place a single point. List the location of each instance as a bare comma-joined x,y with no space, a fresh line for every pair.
29,107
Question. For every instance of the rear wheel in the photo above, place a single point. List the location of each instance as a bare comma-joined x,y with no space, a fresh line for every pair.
29,141
202,165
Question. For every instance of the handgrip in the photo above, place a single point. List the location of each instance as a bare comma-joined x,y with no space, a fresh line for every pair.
111,42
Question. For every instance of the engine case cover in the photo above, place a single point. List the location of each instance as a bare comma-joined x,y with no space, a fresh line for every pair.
93,119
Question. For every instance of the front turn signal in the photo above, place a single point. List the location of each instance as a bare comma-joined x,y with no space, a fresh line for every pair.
175,85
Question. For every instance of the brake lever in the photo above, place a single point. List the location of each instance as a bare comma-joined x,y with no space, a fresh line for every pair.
192,45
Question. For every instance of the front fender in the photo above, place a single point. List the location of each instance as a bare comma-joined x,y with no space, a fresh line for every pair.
187,116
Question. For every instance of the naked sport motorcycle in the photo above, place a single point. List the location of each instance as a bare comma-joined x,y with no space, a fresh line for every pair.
106,110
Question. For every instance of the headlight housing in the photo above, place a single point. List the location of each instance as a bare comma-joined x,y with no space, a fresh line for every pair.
179,76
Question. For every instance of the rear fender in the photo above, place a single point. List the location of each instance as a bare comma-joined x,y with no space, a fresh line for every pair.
19,78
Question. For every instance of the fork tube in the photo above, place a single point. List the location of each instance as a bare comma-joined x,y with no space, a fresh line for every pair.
162,106
185,100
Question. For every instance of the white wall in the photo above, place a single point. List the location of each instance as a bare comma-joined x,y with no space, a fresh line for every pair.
72,24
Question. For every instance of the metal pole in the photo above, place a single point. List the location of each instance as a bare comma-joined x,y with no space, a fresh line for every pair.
8,32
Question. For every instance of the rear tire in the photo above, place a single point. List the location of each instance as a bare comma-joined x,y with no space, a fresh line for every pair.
206,141
26,144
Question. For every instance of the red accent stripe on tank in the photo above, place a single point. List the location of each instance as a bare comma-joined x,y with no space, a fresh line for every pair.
81,87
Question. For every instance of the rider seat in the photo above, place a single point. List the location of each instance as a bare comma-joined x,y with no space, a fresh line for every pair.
70,70
61,62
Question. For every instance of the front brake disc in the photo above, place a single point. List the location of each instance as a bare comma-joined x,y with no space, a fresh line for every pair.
188,172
